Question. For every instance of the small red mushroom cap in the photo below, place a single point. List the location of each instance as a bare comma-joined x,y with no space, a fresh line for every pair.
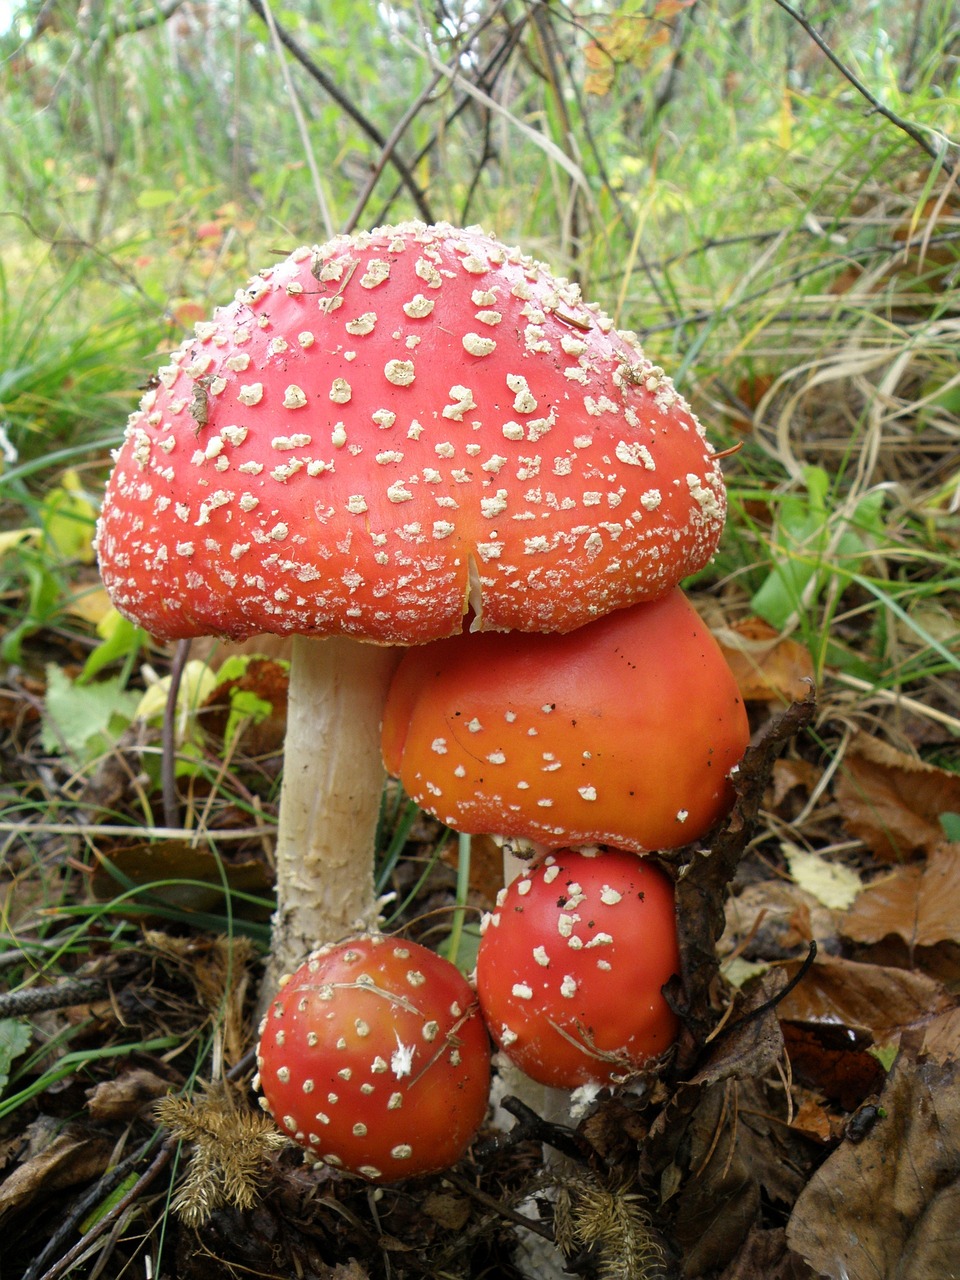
623,732
571,966
385,430
374,1058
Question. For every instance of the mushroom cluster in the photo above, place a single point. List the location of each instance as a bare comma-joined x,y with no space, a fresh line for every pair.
388,438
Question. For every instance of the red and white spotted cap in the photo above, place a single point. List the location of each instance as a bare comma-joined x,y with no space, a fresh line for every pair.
571,966
623,732
383,433
374,1057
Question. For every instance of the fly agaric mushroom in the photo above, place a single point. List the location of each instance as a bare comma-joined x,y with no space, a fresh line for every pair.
374,1057
377,436
571,966
623,732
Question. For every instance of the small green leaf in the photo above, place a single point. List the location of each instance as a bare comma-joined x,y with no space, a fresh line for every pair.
119,637
14,1040
69,518
245,708
884,1054
43,602
155,199
951,826
83,721
109,1202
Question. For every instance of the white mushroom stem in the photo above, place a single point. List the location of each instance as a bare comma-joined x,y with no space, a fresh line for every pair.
333,779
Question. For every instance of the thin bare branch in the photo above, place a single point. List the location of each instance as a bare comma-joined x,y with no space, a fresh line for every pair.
356,115
920,136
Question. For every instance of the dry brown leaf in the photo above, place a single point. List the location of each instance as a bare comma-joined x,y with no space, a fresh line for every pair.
792,773
811,1118
720,1200
829,1059
765,1256
768,667
863,997
892,801
920,903
71,1158
127,1096
773,919
269,682
887,1208
179,875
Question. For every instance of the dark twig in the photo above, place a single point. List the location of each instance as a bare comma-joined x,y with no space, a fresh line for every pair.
918,135
103,1187
768,1005
486,77
778,282
498,1207
61,995
330,87
109,1220
624,215
532,1127
400,128
130,24
387,151
551,56
85,1203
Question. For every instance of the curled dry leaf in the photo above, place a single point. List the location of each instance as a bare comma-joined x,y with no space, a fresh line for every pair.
833,1061
793,774
886,1207
768,667
775,920
71,1158
920,903
765,1254
893,801
126,1096
868,998
251,707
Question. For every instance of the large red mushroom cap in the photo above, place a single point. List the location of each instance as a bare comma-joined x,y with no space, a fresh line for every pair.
374,1058
383,431
623,732
571,966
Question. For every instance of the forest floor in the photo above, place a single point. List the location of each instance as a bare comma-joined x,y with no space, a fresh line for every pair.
814,1082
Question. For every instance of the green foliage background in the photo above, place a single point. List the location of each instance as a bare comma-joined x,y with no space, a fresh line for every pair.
768,199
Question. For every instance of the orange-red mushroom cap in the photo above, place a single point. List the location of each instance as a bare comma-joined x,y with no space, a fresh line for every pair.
382,432
623,732
374,1057
572,964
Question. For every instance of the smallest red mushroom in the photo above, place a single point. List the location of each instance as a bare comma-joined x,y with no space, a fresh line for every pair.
374,1058
572,964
